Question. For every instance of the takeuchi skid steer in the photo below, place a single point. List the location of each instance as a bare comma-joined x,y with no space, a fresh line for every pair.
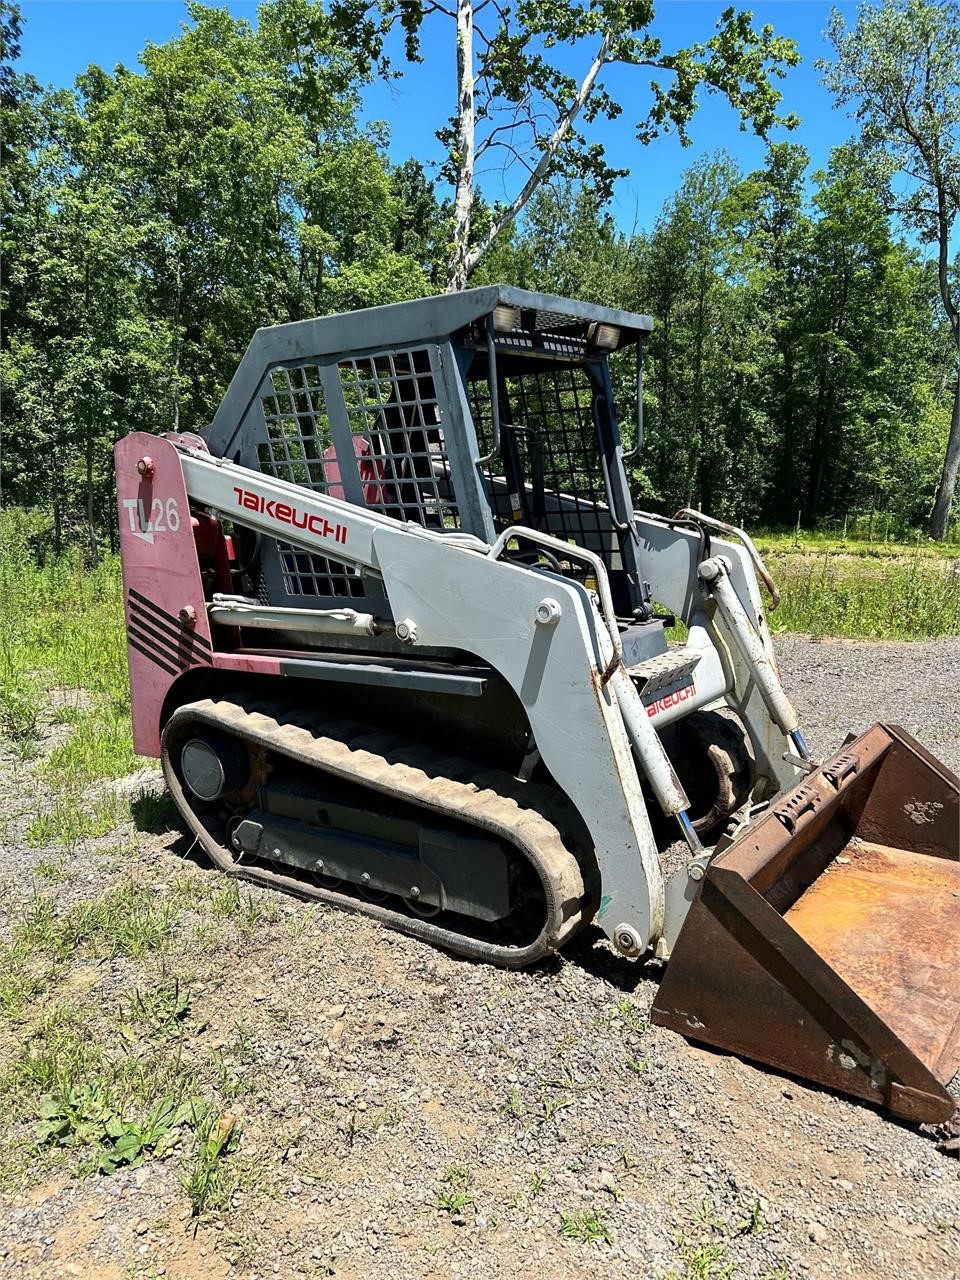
398,635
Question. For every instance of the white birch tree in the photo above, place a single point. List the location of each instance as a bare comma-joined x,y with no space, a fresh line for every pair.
519,112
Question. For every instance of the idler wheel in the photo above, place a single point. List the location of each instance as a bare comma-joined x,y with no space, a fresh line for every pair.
213,764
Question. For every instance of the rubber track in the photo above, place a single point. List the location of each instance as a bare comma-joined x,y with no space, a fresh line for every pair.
414,773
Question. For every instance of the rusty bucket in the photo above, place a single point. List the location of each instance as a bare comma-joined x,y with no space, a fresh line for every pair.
825,940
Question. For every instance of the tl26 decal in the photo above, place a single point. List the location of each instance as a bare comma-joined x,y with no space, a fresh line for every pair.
287,514
162,516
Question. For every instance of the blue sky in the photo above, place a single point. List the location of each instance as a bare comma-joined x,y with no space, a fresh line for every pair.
62,37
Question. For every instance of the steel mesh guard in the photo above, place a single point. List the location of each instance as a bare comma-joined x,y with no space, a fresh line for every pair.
299,447
550,411
395,416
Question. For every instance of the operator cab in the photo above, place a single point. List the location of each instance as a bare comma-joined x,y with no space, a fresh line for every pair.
538,380
465,413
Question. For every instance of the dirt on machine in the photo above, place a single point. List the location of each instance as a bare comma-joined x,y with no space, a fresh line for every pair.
401,640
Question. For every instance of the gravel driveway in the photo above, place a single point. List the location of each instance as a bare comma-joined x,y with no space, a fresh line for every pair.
844,685
415,1115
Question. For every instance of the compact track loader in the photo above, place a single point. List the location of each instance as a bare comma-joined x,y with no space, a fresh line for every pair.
398,635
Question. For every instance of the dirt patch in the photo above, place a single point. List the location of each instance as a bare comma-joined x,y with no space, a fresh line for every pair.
407,1114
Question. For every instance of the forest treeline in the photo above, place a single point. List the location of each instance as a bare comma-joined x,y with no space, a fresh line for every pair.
799,368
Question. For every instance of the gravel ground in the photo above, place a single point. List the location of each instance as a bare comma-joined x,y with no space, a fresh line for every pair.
379,1066
840,686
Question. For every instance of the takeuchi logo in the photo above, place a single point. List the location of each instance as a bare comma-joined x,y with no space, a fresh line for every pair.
671,699
287,514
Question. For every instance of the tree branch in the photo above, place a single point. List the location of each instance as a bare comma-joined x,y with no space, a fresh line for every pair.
563,128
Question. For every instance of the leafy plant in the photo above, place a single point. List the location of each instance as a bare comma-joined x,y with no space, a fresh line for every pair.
547,1105
161,1011
630,1016
706,1261
19,714
206,1182
586,1225
454,1195
88,1117
753,1223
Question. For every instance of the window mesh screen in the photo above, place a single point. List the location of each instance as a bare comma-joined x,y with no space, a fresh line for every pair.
299,447
298,429
550,412
393,411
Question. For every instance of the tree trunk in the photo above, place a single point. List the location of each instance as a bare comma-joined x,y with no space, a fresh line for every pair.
56,496
458,268
178,346
940,517
818,453
547,156
701,476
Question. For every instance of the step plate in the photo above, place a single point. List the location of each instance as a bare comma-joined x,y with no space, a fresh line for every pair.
888,922
665,670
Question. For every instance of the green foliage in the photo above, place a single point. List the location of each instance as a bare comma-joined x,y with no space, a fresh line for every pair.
796,369
520,106
586,1225
155,220
88,1117
899,72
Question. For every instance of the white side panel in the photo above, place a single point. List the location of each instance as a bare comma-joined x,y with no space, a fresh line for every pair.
670,557
488,608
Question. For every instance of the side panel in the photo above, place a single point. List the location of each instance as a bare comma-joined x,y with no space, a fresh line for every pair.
487,607
670,559
161,580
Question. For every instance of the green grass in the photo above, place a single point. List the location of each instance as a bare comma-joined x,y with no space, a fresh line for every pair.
61,627
98,1083
453,1196
586,1225
833,592
858,588
855,541
208,1180
71,819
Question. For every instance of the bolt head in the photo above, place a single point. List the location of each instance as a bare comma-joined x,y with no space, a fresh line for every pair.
365,878
414,891
188,616
318,865
146,466
695,872
627,940
548,612
407,631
